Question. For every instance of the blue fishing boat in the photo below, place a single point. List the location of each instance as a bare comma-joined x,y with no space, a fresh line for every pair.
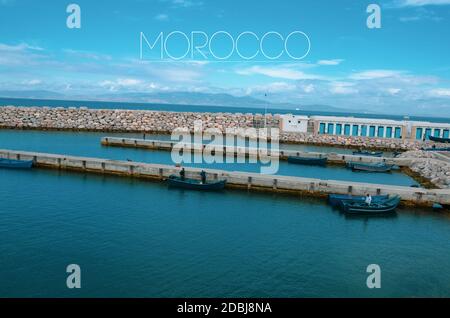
387,206
193,184
437,149
308,161
368,153
370,167
337,200
15,164
439,139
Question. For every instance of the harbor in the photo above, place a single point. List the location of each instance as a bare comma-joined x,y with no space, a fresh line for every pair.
417,196
115,183
147,154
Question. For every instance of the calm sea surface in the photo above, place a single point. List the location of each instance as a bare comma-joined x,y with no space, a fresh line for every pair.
136,238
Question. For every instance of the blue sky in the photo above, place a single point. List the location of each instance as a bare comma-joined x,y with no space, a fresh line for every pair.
404,65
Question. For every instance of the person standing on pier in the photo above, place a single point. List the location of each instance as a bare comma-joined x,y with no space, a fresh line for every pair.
182,174
203,176
368,199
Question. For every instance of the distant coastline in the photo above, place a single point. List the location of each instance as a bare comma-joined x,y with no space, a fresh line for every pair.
5,101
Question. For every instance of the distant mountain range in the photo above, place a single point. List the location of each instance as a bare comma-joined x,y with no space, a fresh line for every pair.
177,98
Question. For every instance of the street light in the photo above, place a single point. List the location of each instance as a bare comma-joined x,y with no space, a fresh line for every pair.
265,111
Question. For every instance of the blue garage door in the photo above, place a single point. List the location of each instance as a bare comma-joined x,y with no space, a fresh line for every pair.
322,128
446,133
347,130
388,132
398,132
364,130
372,131
419,132
338,129
330,129
380,131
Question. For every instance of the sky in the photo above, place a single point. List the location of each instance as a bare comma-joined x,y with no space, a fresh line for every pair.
403,65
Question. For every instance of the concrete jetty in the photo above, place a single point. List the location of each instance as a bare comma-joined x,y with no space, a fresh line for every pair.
243,180
247,151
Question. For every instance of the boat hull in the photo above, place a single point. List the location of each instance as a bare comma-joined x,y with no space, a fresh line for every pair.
308,161
368,154
439,139
437,149
388,206
15,164
337,200
369,167
192,184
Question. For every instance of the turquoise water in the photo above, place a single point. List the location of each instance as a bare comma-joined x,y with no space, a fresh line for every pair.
88,144
135,238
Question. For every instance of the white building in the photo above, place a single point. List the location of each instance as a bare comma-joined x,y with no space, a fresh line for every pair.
363,127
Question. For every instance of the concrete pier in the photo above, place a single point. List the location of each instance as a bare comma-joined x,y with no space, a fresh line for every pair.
245,151
244,180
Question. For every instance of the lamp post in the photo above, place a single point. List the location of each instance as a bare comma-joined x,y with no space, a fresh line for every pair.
265,111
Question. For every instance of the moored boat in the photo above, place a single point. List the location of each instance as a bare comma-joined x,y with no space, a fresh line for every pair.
437,149
439,139
15,164
368,153
370,167
308,161
193,184
337,200
387,206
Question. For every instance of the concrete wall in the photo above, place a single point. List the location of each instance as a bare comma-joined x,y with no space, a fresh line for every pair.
234,179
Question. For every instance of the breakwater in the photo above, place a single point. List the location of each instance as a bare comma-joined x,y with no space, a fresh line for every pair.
432,166
108,120
243,180
247,151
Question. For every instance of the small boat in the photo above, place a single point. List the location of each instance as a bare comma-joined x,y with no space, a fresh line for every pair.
370,167
437,206
387,206
437,149
368,153
439,139
15,164
193,184
308,161
336,200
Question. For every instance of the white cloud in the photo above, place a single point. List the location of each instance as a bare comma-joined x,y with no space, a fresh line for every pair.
440,92
420,3
375,74
283,73
19,47
87,55
330,62
32,82
162,17
393,91
342,88
186,3
308,88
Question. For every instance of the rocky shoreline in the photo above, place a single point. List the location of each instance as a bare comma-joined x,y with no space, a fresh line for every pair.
162,122
429,167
